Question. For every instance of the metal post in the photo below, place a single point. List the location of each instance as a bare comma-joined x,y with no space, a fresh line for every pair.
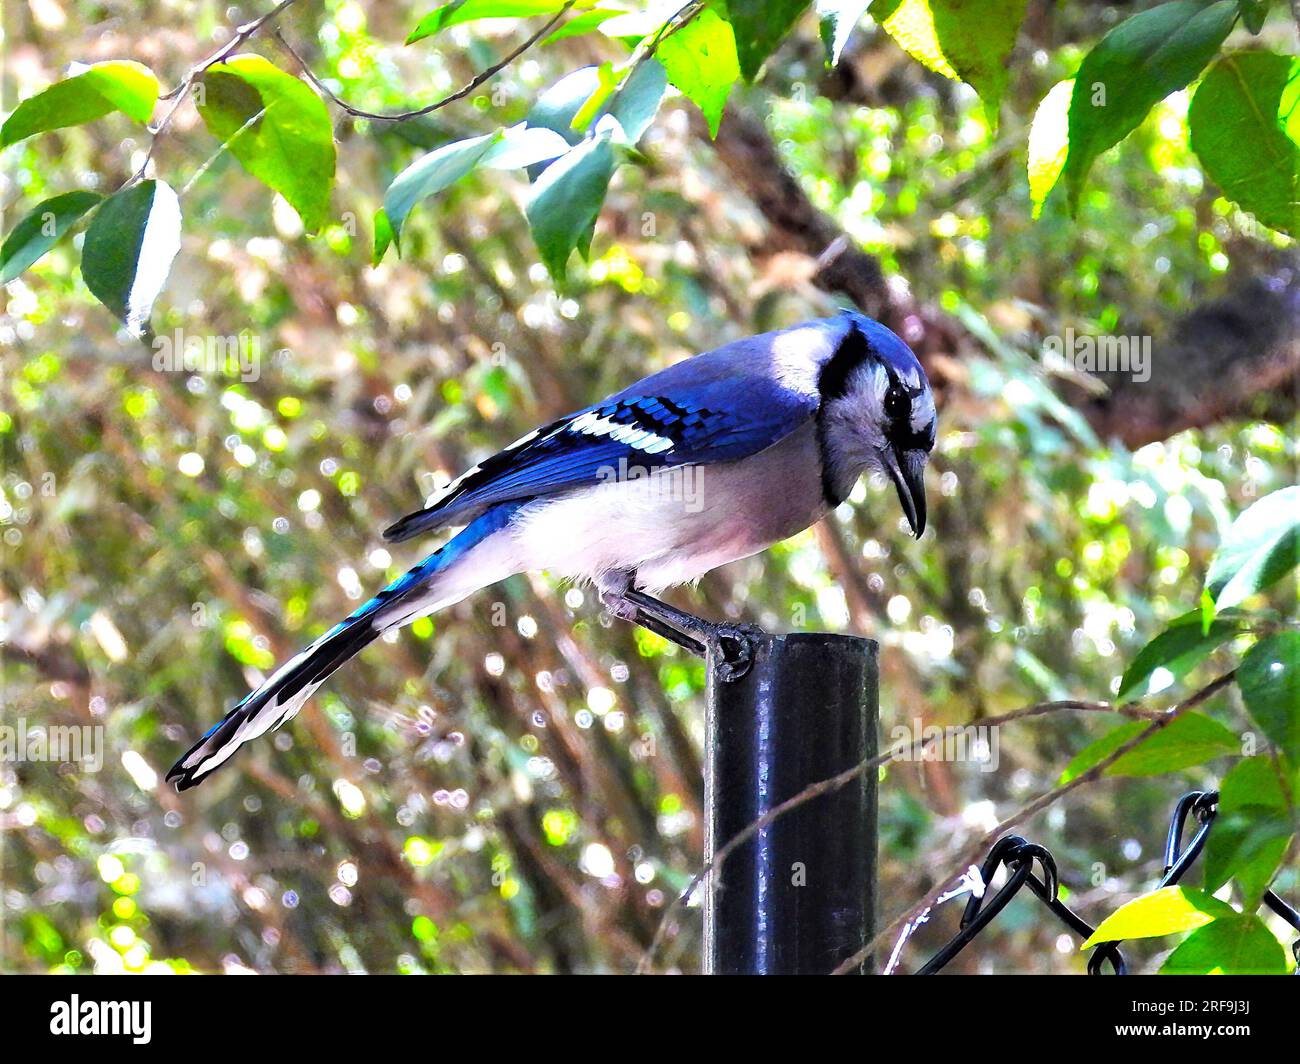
799,897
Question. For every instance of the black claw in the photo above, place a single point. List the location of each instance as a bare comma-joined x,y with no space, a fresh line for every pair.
732,644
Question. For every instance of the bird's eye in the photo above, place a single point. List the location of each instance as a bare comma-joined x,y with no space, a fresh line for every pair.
897,404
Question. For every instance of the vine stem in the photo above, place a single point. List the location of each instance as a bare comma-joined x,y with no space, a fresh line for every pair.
459,94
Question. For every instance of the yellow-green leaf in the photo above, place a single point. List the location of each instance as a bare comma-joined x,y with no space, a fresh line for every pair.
1191,739
967,40
278,129
1049,142
1162,912
90,93
701,61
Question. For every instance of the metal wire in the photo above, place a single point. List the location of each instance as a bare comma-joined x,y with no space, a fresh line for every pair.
1019,855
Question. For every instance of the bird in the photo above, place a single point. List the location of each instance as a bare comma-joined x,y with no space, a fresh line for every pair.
713,459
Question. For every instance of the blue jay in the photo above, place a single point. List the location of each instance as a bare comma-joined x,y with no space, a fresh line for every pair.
713,459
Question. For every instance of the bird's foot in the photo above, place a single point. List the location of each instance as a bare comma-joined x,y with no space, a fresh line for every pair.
619,605
735,646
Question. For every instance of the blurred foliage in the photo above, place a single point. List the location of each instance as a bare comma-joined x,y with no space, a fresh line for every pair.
515,784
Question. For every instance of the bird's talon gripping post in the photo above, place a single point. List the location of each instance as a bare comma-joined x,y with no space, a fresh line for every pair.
734,642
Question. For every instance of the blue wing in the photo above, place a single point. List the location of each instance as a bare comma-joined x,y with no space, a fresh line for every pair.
717,407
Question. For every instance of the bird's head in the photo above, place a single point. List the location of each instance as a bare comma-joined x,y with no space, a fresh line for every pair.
877,413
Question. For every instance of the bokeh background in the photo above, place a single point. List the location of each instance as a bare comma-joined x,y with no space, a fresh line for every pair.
515,785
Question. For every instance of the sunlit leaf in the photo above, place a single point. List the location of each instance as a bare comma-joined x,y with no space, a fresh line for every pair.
1173,654
383,236
1236,945
1134,67
40,230
957,38
461,11
700,60
129,249
607,80
1049,142
1162,912
1269,679
278,129
1187,740
1252,98
1261,547
90,93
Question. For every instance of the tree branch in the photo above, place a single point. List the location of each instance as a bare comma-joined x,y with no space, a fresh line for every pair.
459,94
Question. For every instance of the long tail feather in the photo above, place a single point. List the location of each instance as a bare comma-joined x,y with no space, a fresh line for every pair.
445,577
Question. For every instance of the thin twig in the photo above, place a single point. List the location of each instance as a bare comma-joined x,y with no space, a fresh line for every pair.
834,783
459,94
1048,798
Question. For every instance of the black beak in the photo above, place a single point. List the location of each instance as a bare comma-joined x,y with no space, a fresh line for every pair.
907,471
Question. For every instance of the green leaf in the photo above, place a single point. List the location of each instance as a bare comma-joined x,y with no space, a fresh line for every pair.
383,237
1253,14
41,229
967,40
1049,142
700,60
521,146
1173,654
1269,679
1236,945
92,92
1187,740
567,198
461,11
760,26
1251,831
129,249
584,23
838,18
1252,98
1134,67
1261,547
432,173
633,106
1162,912
278,129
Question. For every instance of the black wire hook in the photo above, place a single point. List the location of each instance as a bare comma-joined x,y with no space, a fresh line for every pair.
1019,855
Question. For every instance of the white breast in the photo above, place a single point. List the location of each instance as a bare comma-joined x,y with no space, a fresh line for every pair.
674,525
